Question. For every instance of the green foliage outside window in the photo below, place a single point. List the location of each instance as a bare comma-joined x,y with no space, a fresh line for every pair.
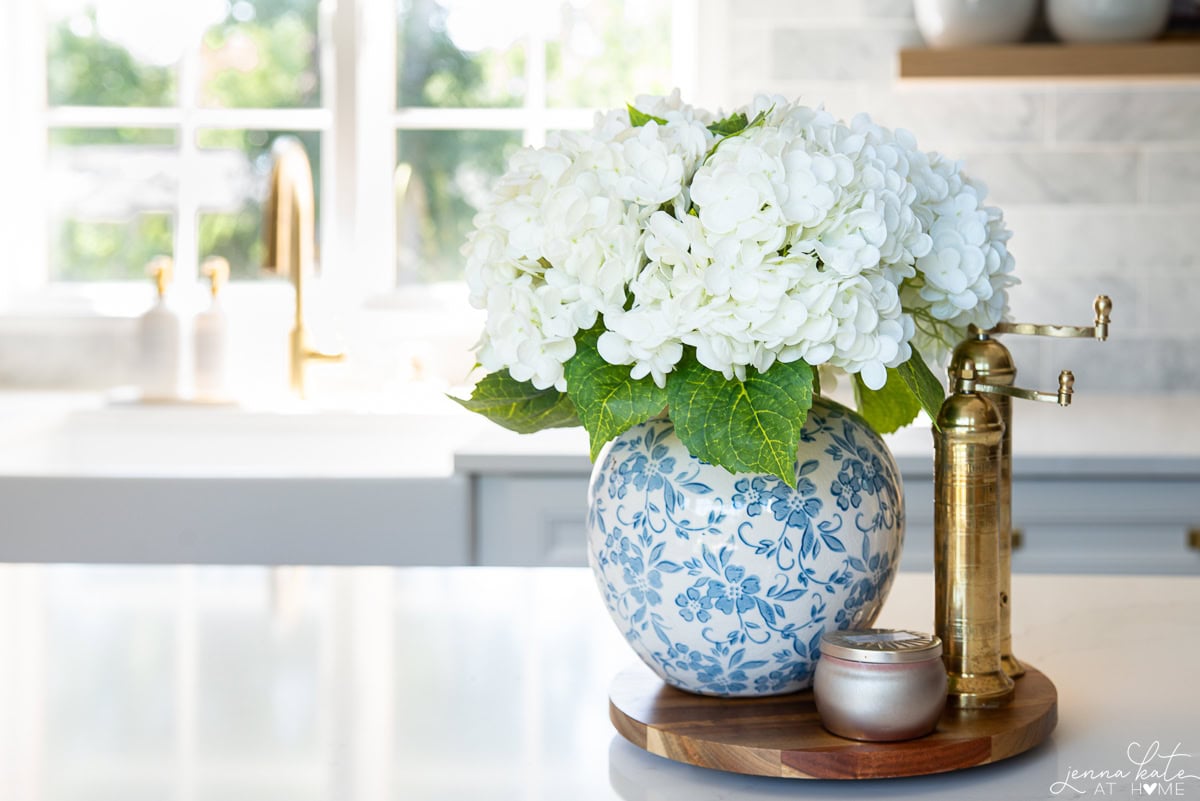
265,55
86,69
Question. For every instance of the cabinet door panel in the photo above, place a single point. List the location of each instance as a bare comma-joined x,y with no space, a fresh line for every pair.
531,521
1105,548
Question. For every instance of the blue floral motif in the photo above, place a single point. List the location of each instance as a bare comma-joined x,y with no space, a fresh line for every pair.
753,592
751,495
792,507
643,584
693,605
648,471
736,592
847,486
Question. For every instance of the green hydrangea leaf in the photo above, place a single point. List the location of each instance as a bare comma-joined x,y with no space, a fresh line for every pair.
731,125
887,409
518,405
607,400
639,118
924,385
760,119
743,426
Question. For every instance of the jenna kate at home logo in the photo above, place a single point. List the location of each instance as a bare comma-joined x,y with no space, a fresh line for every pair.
1152,770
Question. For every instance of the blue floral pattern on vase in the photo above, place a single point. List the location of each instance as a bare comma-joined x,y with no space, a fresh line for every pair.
724,583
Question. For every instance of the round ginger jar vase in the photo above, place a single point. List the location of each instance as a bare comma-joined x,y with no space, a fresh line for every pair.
723,583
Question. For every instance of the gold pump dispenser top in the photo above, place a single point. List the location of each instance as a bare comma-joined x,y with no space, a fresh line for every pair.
216,270
162,269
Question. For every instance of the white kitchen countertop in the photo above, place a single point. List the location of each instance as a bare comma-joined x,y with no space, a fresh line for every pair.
1095,436
358,684
66,434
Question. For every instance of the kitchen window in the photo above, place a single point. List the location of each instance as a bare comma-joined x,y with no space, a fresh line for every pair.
144,126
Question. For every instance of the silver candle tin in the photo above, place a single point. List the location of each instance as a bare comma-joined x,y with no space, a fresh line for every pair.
880,684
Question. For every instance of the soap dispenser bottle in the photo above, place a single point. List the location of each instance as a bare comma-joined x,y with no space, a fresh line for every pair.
211,338
160,339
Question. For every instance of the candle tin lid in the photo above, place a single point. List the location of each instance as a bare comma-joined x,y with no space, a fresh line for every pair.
885,646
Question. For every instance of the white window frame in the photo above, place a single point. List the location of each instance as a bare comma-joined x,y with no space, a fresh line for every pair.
24,149
358,121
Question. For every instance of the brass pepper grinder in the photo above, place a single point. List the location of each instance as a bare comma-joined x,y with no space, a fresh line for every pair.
966,534
994,366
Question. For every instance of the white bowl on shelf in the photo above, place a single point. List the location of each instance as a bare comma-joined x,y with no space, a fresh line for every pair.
1107,20
967,23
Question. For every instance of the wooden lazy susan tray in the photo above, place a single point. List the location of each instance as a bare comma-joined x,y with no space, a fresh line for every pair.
782,735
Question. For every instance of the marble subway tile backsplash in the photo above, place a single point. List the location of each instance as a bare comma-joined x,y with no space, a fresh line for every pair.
1068,299
1121,366
1173,176
837,54
1082,241
1100,182
75,353
1172,306
947,117
1137,114
883,9
1056,177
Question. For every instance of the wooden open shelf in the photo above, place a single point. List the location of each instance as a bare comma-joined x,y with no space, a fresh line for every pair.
1167,59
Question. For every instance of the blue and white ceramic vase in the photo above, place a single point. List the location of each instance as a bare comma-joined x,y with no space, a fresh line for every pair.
723,583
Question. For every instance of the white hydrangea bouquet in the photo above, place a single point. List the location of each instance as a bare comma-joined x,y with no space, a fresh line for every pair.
669,258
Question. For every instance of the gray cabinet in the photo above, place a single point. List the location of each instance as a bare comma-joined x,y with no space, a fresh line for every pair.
1109,523
531,520
1101,524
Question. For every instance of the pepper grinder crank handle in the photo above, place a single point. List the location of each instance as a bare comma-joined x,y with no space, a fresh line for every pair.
1098,330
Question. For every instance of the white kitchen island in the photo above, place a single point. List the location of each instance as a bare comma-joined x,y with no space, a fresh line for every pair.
355,684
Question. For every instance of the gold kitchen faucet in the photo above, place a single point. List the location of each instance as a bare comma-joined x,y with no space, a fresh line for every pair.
290,234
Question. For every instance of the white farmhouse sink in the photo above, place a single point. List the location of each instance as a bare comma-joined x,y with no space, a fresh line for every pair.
180,440
85,479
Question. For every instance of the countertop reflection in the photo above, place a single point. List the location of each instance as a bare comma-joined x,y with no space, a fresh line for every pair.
359,684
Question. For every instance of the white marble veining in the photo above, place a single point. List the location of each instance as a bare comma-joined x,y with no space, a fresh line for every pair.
1084,240
1149,113
837,53
190,684
887,9
1038,177
948,119
1173,176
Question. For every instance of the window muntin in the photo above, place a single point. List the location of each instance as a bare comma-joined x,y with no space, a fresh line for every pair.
160,115
474,80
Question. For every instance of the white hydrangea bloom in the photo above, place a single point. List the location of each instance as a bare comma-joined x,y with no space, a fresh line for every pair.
963,280
801,237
